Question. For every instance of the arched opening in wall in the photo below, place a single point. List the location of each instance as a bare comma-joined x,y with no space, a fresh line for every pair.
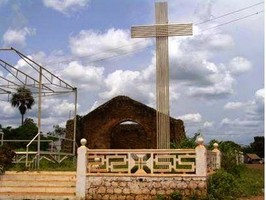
129,135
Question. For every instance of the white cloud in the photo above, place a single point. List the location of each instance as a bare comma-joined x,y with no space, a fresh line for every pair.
191,117
66,6
220,89
204,9
83,77
209,42
63,108
239,65
130,83
239,122
255,110
17,36
234,105
208,124
259,95
192,64
100,45
7,110
54,111
252,122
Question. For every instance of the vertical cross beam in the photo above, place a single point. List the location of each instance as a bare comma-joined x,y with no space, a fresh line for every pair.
161,30
162,80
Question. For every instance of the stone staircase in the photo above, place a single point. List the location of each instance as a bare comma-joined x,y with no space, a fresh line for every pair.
38,185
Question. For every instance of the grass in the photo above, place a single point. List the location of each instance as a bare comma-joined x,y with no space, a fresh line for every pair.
66,165
251,182
238,182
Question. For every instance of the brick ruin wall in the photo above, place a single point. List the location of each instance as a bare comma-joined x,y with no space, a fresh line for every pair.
103,129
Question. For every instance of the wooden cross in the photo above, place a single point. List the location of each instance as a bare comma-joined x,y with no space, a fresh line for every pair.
161,30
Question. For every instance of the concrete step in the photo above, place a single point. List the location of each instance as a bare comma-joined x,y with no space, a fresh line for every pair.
36,183
39,196
36,178
44,189
40,176
41,172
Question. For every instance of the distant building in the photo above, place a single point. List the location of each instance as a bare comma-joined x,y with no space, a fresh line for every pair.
252,158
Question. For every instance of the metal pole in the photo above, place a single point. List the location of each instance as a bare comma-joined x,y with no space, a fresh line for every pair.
39,117
2,137
75,121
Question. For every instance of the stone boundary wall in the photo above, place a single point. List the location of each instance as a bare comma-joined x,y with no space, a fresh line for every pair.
111,185
142,188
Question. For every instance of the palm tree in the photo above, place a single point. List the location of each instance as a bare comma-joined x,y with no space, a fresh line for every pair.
23,100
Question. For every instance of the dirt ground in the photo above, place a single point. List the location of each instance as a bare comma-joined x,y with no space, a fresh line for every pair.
256,166
253,198
260,167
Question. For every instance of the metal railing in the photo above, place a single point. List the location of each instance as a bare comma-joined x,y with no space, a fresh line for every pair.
32,157
27,148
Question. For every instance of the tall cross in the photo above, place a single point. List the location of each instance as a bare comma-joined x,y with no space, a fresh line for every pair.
161,30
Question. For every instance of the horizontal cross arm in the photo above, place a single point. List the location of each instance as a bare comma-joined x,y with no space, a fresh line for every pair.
161,30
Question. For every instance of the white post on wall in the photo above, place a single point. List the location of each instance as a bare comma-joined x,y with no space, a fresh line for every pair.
218,155
241,157
201,158
81,171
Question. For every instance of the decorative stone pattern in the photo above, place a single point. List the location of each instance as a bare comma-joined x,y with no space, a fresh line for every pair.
114,187
137,161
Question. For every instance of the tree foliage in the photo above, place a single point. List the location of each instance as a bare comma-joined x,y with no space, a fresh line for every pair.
58,131
23,100
256,147
6,156
25,132
186,143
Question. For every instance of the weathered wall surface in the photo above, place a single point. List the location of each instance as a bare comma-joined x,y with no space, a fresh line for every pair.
99,127
110,187
124,136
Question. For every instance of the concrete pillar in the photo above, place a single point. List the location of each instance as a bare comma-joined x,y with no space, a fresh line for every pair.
218,155
81,171
241,157
201,158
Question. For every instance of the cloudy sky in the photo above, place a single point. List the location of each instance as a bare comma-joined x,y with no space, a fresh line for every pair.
216,75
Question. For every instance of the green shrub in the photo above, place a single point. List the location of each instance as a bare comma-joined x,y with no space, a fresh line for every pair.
160,197
229,152
222,185
6,156
237,170
176,195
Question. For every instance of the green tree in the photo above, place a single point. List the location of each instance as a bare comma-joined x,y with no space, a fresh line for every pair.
258,146
25,132
186,143
58,132
23,100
